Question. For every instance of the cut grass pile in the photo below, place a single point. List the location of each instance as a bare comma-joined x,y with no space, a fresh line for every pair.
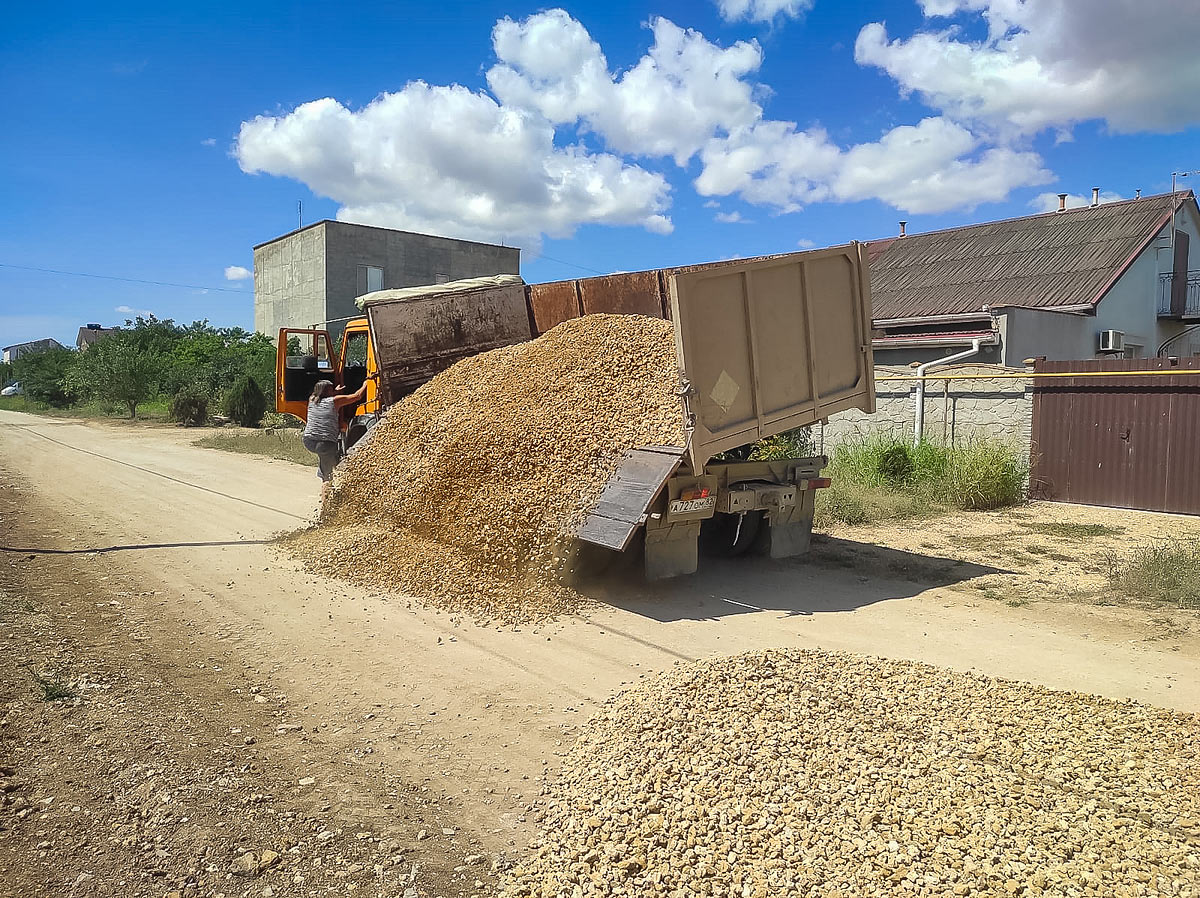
1165,572
282,444
883,478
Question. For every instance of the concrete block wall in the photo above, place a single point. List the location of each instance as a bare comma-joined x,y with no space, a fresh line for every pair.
956,411
407,260
289,281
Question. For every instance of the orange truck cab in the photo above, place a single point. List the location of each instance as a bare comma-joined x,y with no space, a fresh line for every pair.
305,356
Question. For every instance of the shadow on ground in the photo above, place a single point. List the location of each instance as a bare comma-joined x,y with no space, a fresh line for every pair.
838,575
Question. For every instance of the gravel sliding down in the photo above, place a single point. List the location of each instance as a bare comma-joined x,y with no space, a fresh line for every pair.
810,773
467,491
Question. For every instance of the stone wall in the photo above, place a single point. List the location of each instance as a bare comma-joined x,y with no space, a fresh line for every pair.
956,411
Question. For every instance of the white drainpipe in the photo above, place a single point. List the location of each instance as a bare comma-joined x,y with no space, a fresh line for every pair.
919,412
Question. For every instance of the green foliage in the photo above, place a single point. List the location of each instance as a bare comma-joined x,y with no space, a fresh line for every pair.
189,406
885,478
789,444
896,466
55,685
6,374
44,376
148,359
244,402
121,369
1167,571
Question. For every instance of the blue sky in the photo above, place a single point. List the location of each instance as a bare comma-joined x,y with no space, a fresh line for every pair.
161,143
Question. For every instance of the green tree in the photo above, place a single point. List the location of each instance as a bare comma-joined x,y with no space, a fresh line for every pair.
119,370
6,374
45,376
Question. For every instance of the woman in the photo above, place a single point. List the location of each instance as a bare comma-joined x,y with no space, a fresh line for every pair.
321,431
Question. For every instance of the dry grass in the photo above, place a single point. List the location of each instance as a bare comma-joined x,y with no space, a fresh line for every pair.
281,444
1165,572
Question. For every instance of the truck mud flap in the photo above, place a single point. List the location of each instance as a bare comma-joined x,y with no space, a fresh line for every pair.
621,508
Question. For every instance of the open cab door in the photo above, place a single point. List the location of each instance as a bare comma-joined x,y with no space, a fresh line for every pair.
302,357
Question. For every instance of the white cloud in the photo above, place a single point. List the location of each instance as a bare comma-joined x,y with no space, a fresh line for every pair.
1051,65
805,243
1048,202
680,93
762,10
132,312
453,162
238,273
547,150
208,142
933,166
731,218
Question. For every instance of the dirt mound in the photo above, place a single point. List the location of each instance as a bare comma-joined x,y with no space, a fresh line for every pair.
468,489
814,773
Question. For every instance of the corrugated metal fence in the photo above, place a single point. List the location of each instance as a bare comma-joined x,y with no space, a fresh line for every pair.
1127,442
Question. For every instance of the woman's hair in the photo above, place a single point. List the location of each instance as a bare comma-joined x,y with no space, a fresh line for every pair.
320,389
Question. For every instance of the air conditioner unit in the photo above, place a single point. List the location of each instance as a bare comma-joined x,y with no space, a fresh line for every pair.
1112,341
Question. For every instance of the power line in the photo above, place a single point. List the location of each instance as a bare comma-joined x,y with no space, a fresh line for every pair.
572,264
109,277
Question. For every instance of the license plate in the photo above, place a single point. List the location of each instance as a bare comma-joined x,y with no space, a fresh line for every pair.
686,506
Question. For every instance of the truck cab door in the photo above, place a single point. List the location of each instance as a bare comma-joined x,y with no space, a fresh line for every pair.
358,366
302,357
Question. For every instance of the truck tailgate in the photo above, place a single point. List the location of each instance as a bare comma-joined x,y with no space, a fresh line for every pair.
772,344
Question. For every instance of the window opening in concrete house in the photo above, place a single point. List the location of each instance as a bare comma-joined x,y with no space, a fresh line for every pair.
370,279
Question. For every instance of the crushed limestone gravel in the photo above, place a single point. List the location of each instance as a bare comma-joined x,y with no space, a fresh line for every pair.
468,490
819,774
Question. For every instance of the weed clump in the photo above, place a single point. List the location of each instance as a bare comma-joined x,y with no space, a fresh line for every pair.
1166,572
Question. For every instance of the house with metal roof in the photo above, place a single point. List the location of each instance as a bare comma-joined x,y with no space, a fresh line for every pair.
1114,279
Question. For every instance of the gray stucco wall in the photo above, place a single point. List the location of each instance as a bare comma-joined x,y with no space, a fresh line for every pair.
956,411
407,260
289,281
902,358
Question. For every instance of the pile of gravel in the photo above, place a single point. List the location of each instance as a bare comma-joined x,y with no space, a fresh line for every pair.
812,773
468,490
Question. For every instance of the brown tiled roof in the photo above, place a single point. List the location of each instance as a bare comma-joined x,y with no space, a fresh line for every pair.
1050,260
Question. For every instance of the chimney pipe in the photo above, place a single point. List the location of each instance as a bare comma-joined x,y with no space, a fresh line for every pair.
902,226
1095,196
1137,194
1062,202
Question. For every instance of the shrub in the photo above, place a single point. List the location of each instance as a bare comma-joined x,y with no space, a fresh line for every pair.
1167,571
244,402
190,406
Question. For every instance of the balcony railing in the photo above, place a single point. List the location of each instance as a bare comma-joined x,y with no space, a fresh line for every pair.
1179,300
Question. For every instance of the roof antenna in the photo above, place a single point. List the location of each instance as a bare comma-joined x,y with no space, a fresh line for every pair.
299,214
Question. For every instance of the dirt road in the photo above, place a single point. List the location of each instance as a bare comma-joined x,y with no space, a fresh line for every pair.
371,715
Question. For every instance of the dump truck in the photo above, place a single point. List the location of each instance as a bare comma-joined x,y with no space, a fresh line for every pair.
764,346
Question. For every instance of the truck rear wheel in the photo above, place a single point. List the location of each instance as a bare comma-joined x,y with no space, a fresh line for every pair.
728,535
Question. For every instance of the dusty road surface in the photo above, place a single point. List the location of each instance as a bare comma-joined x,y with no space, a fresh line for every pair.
229,724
